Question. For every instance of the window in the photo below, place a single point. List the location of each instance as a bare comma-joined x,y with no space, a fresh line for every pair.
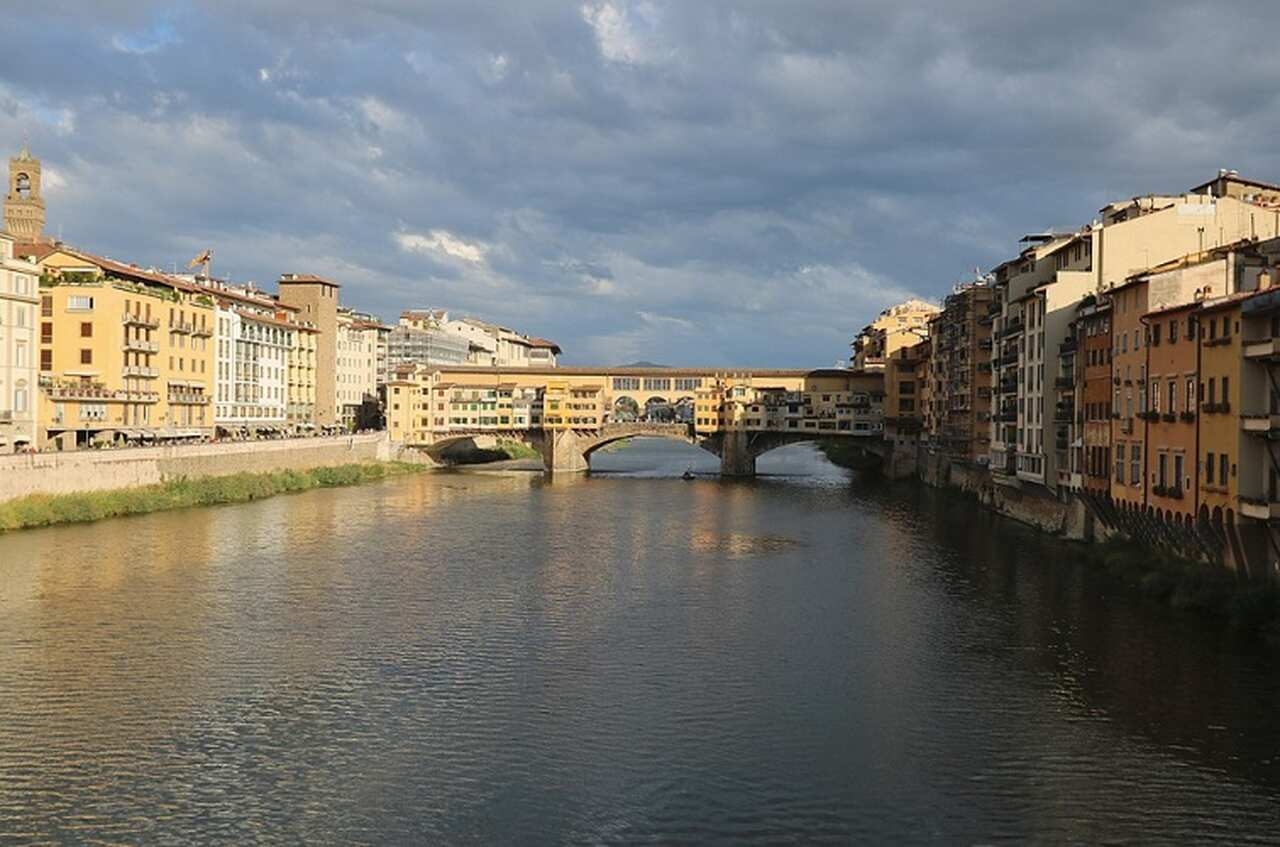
1226,390
86,329
1208,468
79,304
86,357
1176,482
46,332
1173,331
1173,394
1162,462
1223,464
46,360
1135,464
1191,393
1155,396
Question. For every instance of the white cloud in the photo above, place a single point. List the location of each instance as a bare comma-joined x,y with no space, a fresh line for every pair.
442,243
625,35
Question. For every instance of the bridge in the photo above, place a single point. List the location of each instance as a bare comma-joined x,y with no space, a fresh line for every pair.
567,414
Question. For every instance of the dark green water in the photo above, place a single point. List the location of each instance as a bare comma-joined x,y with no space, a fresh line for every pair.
487,659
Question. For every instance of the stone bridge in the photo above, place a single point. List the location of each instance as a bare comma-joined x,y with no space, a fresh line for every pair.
569,450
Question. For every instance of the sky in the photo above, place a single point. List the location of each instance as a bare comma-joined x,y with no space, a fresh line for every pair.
693,183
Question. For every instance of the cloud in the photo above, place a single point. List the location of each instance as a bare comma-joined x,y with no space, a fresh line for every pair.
443,243
612,174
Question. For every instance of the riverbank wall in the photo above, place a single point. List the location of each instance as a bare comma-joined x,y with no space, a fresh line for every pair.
110,470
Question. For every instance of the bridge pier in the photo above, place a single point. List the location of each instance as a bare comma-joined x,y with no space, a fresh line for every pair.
562,453
736,456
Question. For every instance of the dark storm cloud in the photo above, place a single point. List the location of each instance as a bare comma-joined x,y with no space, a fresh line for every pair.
694,182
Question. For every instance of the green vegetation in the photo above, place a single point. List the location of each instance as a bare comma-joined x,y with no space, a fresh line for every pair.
46,510
518,450
1191,586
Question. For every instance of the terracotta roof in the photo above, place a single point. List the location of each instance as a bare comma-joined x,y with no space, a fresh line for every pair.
534,341
125,270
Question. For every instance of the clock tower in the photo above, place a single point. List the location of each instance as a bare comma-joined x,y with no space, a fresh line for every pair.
23,205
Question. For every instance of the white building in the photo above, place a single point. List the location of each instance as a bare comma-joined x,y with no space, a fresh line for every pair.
253,341
19,298
357,371
492,345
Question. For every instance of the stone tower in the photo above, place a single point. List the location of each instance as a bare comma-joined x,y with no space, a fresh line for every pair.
23,205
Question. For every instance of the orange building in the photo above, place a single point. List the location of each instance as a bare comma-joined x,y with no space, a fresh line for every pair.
1171,433
1093,327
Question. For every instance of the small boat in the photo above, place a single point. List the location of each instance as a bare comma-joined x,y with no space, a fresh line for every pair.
687,475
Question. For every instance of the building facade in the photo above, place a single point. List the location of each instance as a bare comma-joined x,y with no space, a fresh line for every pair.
356,373
126,354
315,300
19,377
960,392
898,326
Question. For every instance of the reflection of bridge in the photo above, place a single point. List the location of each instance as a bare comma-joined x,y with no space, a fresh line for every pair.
570,450
569,413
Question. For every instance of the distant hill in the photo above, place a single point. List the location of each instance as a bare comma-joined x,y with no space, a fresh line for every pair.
643,365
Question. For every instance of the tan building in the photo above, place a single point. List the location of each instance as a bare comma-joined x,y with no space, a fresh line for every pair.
316,301
125,353
960,403
896,327
906,382
19,299
23,203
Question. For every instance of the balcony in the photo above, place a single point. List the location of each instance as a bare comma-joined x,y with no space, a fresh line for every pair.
1008,385
1008,359
181,327
141,371
1065,383
1187,417
139,320
1215,408
188,398
1126,426
1261,424
6,416
1173,492
1014,327
1068,346
1149,416
1258,508
202,331
137,345
1267,348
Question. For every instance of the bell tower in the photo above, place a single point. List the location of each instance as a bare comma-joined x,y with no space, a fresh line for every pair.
23,205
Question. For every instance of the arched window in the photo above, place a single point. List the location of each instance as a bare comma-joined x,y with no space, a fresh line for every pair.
22,186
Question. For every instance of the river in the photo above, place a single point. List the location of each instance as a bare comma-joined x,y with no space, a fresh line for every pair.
627,657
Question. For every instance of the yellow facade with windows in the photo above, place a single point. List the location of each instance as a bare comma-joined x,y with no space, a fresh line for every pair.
125,353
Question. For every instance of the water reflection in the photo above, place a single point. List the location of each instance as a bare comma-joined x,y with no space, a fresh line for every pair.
497,659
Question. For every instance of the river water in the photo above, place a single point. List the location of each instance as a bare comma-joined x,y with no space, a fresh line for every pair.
497,659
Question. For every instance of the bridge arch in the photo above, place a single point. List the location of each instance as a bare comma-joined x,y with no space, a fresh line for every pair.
625,410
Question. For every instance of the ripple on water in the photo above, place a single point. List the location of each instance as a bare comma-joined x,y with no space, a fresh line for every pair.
494,659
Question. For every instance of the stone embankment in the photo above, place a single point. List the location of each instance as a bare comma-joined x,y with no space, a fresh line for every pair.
109,470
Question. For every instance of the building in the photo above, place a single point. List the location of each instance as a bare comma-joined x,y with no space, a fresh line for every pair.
315,300
356,372
419,338
423,407
1171,438
897,326
906,383
491,345
255,339
19,298
1221,436
126,353
1094,392
301,409
960,395
23,203
1258,490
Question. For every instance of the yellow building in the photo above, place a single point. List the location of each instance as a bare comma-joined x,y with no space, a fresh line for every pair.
896,327
302,377
126,354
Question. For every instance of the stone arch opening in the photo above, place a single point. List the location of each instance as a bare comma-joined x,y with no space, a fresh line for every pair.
659,410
